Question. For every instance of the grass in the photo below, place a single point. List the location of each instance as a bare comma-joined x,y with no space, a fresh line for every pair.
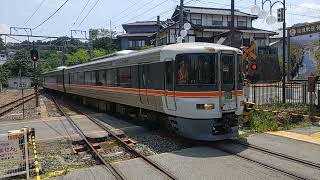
260,121
291,108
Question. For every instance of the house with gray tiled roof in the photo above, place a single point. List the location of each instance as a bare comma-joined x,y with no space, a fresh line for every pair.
207,25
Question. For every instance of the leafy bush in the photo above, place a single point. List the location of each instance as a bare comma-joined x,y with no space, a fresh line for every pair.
262,121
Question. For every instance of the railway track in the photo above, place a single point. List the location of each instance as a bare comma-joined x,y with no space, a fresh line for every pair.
277,154
271,153
118,175
4,109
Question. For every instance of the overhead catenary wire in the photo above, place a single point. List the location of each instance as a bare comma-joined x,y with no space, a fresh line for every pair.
88,13
34,13
137,2
145,11
50,15
131,12
84,7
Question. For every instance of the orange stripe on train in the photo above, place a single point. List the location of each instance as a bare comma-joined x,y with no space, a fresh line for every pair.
180,94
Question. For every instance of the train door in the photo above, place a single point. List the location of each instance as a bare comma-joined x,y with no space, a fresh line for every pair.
169,86
143,84
228,81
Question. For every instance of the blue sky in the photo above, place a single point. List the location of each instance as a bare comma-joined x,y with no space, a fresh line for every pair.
16,13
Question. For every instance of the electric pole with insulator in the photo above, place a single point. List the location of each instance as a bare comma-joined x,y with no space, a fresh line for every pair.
180,16
232,24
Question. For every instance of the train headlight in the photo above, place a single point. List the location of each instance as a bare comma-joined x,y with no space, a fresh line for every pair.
205,106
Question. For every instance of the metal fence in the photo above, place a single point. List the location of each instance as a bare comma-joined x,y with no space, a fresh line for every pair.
14,154
296,93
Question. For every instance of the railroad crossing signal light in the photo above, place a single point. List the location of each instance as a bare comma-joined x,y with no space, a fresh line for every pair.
280,15
254,67
34,55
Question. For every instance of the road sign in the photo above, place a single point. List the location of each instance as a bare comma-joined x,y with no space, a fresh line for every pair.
249,52
22,85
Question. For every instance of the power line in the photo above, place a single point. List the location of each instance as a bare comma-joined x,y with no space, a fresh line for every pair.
137,2
145,11
84,7
34,12
88,13
51,15
126,15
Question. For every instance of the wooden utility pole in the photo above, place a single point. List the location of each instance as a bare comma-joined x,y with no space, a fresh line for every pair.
232,24
180,16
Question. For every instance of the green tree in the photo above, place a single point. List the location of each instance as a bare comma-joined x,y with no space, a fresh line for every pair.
78,57
103,39
4,75
2,45
99,52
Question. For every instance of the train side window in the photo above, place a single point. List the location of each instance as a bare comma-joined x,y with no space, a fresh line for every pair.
124,76
93,78
240,70
87,78
112,78
75,78
101,78
155,80
169,75
135,76
81,78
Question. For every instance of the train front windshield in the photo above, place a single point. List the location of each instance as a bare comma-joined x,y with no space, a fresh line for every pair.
196,69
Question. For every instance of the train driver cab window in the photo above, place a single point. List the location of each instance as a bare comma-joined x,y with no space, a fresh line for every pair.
195,69
227,63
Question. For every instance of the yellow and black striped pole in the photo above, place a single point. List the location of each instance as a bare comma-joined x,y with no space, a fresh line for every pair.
36,162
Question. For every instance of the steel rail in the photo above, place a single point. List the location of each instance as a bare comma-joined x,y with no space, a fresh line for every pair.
293,175
281,155
93,151
129,148
12,102
2,113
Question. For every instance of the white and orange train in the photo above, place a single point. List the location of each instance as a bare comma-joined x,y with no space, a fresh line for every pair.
194,88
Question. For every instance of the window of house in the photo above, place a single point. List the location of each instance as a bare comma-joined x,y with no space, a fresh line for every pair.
242,23
196,19
217,23
246,42
136,44
217,20
229,23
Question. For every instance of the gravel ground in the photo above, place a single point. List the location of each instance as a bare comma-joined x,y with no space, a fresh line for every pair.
150,143
31,112
8,95
58,156
51,107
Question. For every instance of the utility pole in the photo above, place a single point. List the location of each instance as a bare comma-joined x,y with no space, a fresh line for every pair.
35,79
180,16
90,45
110,31
284,53
64,53
232,24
